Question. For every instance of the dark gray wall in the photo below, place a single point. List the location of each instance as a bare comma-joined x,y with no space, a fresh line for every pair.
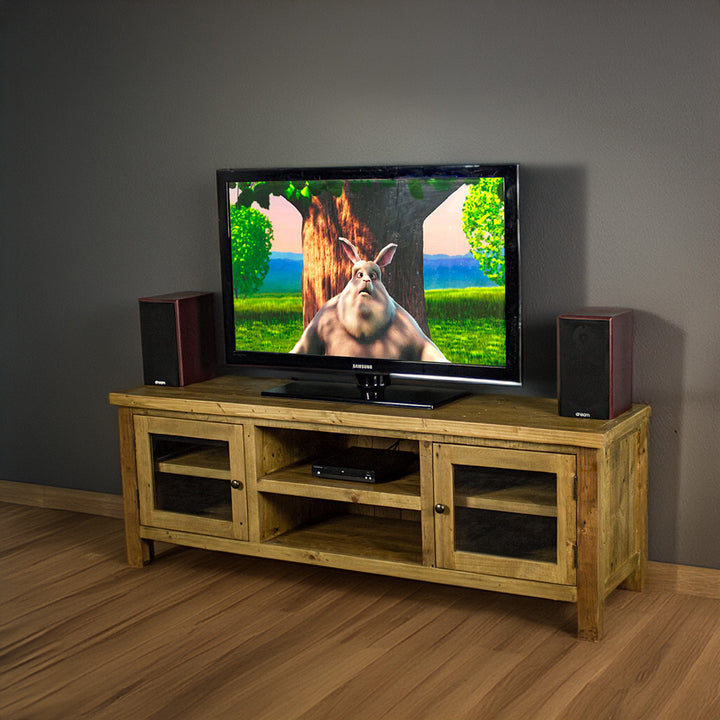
114,116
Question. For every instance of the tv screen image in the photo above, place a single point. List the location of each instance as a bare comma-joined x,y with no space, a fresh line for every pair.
407,271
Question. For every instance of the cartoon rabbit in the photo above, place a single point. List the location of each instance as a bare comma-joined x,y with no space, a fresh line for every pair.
364,321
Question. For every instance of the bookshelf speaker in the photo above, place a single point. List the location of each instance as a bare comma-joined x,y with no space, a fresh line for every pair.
177,332
594,362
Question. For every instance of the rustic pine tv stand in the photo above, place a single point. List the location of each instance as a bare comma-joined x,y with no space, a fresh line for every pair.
505,495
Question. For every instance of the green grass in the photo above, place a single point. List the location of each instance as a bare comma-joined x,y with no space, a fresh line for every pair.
269,322
467,303
467,325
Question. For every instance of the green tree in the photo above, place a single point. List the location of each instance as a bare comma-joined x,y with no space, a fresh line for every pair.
484,227
252,237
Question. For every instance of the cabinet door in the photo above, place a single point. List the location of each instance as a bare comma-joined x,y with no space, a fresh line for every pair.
191,476
505,512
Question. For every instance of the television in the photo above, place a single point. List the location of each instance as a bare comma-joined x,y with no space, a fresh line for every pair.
397,285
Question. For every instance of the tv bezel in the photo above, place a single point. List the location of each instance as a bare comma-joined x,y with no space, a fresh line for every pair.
339,367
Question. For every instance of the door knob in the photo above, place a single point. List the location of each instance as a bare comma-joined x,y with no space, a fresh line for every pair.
439,508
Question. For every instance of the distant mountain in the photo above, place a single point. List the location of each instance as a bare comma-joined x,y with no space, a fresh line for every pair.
441,271
285,273
453,271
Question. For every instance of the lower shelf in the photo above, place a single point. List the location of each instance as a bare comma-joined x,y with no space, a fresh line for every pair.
360,536
193,496
407,565
508,535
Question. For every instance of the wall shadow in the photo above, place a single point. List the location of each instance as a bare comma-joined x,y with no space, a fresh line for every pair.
660,384
553,244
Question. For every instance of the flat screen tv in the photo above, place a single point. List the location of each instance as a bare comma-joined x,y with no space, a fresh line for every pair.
369,274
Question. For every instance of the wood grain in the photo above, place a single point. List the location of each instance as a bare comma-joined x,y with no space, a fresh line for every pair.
211,635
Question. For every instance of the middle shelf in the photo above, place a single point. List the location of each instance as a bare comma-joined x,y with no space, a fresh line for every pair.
298,480
505,490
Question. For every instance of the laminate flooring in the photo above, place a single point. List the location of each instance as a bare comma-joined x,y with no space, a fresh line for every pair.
198,635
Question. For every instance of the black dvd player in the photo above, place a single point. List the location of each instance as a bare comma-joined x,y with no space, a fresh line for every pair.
368,465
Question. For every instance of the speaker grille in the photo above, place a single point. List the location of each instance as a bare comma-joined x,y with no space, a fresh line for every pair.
158,335
584,368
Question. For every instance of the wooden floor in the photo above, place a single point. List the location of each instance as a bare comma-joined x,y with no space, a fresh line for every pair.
203,635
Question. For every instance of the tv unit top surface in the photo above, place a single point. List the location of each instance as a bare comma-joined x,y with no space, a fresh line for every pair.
487,416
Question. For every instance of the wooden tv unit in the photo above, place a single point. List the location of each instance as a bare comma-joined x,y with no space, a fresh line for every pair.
505,495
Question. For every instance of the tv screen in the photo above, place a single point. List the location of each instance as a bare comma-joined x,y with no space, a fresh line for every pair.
410,272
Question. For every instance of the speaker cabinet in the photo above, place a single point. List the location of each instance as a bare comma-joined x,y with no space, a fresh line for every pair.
595,362
178,338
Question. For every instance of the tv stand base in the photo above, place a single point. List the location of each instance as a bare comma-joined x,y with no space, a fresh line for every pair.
503,493
366,393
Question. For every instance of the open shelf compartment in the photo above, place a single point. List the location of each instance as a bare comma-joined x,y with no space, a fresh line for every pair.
343,528
285,467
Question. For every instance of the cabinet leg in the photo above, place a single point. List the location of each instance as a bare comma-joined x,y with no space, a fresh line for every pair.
139,551
590,591
636,579
591,614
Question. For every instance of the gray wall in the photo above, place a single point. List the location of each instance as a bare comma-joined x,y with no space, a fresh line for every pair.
115,115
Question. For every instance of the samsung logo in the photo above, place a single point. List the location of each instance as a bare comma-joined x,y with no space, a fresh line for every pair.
160,382
360,366
582,414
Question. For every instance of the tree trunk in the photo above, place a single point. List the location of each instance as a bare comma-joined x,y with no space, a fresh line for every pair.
370,217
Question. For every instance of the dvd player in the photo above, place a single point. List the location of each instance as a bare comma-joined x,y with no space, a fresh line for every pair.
368,465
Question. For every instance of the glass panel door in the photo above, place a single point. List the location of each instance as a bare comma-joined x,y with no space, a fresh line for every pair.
191,476
506,512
